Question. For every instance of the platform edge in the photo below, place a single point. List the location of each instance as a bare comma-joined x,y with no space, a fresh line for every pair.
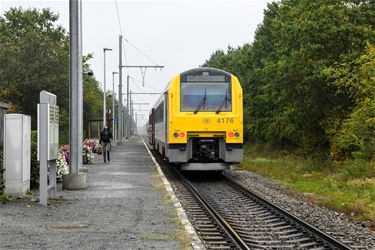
196,243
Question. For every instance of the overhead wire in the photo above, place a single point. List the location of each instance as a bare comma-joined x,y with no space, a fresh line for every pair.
130,43
120,27
140,51
134,46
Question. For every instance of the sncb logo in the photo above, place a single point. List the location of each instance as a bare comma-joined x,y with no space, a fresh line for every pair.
206,120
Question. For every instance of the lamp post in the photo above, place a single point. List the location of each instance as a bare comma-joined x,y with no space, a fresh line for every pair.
113,104
104,89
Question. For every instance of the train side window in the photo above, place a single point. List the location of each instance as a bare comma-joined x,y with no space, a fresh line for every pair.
159,113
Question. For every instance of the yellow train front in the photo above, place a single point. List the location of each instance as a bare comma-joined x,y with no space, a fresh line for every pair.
198,121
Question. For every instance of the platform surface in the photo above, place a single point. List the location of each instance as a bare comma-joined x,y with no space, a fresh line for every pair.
123,208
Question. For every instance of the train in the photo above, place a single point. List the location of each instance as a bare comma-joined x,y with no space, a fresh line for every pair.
197,122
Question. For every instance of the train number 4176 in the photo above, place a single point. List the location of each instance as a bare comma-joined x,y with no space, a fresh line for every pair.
225,120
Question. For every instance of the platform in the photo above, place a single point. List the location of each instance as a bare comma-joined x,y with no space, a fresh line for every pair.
124,207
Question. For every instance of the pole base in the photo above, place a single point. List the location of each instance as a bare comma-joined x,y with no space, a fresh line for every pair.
74,181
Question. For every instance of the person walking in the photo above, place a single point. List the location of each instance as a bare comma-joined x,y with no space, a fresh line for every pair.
105,141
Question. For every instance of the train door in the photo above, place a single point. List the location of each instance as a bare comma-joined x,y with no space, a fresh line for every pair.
151,127
166,103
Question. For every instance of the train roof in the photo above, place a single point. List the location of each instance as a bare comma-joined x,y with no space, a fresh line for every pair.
199,72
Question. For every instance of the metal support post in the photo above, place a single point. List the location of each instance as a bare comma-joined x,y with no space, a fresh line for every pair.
80,89
130,114
141,67
74,180
127,108
120,124
136,123
104,91
75,72
104,94
113,107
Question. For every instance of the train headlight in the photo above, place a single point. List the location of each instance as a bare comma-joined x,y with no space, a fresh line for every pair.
182,135
237,134
175,134
230,134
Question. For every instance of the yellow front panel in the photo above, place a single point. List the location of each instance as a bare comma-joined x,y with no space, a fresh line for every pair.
204,124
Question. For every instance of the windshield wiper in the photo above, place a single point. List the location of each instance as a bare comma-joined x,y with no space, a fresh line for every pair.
202,103
224,101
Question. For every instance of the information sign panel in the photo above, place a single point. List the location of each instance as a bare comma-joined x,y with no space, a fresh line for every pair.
53,131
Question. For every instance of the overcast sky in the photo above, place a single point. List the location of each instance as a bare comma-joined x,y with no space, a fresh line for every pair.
179,35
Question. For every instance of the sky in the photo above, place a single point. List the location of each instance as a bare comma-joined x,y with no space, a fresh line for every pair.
178,35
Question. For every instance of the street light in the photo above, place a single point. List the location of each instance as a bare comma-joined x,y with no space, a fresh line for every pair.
104,92
113,104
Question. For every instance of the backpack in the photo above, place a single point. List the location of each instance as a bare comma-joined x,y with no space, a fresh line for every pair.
106,135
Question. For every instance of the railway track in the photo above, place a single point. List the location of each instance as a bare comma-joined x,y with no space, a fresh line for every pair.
254,223
228,216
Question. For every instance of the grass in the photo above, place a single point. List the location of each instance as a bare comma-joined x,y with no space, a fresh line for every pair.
10,198
344,187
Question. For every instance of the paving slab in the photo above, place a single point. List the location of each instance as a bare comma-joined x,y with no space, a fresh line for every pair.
121,209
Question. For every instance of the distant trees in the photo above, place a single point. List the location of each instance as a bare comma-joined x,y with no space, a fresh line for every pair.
295,76
34,56
355,80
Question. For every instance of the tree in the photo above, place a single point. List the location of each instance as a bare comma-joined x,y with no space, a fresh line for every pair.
355,135
34,56
291,101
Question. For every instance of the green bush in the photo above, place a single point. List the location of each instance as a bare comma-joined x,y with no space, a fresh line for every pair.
34,164
358,168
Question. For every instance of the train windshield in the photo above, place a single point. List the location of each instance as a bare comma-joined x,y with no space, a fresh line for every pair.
206,97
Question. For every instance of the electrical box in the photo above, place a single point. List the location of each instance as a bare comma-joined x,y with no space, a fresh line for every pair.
17,153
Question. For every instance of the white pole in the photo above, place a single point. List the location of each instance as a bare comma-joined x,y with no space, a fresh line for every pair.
75,87
104,90
120,121
113,105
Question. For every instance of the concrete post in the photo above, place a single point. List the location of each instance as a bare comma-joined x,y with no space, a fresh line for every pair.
127,108
113,108
75,180
120,124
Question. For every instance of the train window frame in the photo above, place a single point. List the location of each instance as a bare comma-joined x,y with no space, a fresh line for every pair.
159,109
230,95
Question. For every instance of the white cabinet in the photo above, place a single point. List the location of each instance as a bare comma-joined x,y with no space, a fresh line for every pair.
17,153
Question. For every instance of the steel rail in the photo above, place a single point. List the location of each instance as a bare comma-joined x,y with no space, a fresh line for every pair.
236,239
314,232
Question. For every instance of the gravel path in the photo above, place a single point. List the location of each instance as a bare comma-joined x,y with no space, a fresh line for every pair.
333,223
121,209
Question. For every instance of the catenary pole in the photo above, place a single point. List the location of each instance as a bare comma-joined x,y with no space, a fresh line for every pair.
113,106
127,108
131,114
127,128
75,180
80,89
75,85
120,120
104,91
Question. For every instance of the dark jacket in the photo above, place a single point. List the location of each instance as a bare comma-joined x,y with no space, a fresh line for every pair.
105,136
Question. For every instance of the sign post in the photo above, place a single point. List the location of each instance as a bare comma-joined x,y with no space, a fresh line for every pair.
48,145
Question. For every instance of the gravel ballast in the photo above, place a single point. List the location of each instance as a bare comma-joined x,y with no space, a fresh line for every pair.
333,223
